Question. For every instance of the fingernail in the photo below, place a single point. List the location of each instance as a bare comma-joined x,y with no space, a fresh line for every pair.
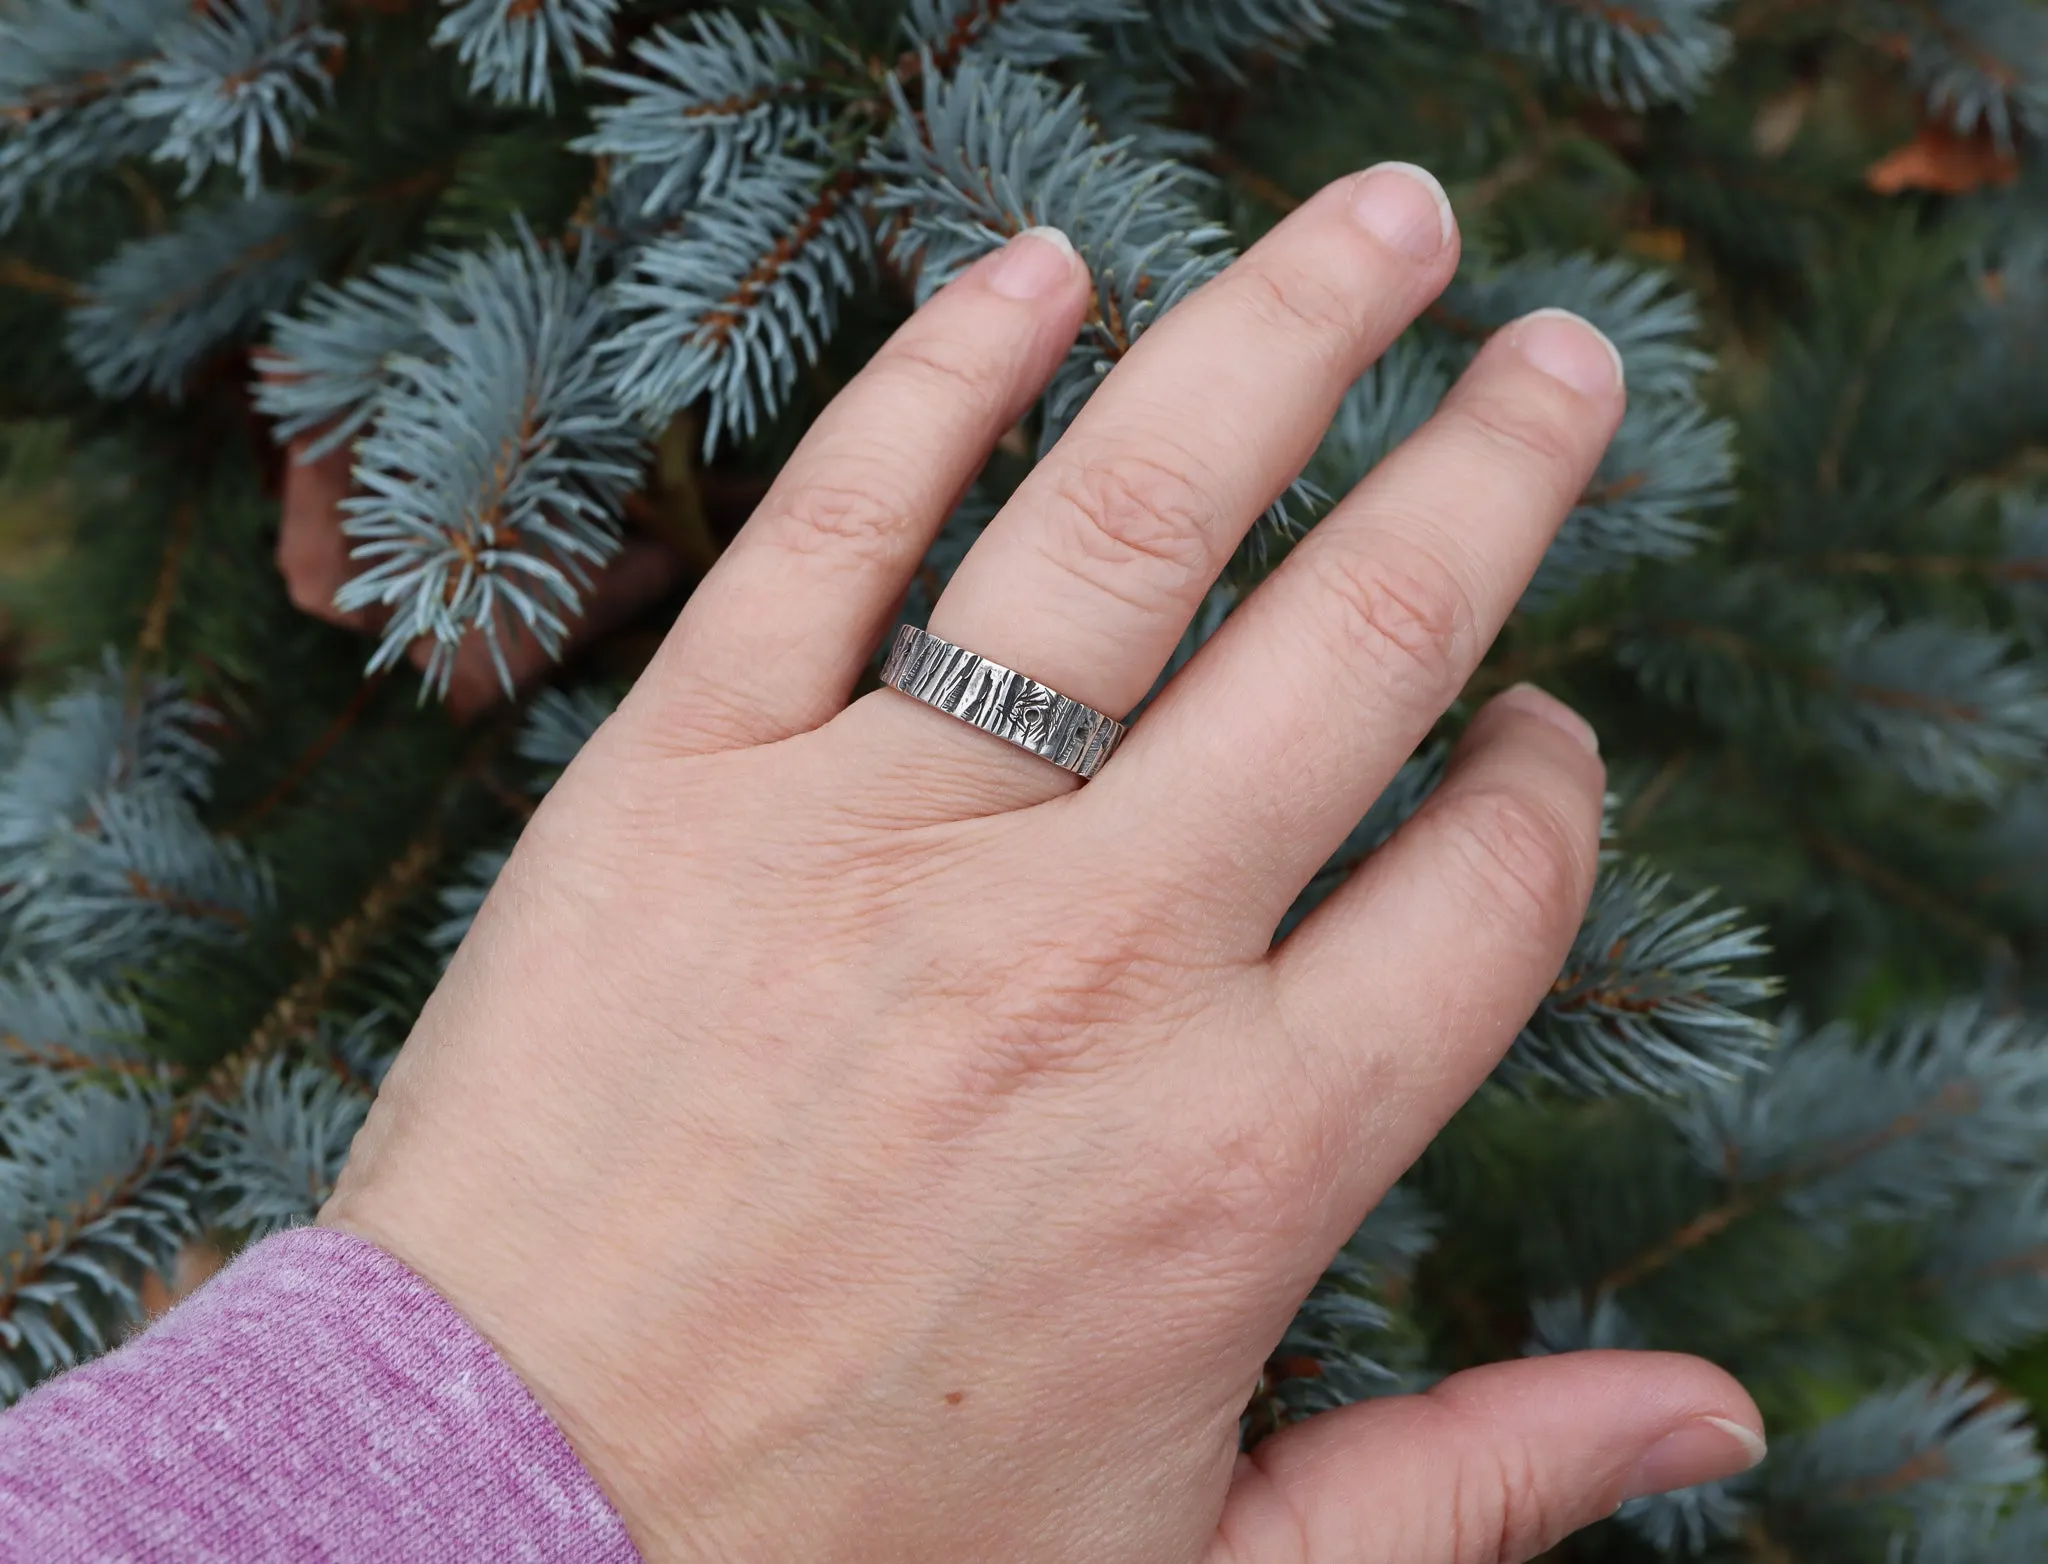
1404,206
1703,1450
1537,703
1032,264
1570,349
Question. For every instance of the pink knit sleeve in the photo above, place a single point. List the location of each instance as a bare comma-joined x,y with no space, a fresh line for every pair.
314,1401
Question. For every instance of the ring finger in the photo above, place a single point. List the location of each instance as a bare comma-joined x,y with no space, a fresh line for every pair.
1088,577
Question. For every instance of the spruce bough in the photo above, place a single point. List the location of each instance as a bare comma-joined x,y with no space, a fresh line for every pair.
549,277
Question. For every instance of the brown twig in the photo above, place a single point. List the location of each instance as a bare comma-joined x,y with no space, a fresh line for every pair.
25,1264
722,320
156,618
21,276
294,1015
1908,893
55,1056
1958,1097
1646,802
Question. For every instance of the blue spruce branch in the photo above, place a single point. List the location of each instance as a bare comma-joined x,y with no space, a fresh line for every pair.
1686,1521
2016,1534
103,857
1952,709
66,69
558,724
1980,64
1023,32
1653,324
237,78
1227,35
1137,110
95,733
1844,1131
1935,1453
326,365
1653,998
1350,1340
1386,404
700,110
463,899
275,1149
991,151
738,304
1988,1265
493,478
57,1029
155,311
2021,570
512,47
95,1191
142,872
1669,461
1631,52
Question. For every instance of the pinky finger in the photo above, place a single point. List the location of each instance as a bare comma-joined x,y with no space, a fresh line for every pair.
1406,987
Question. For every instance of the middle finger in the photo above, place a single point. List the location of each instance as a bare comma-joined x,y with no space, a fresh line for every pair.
1088,577
1275,739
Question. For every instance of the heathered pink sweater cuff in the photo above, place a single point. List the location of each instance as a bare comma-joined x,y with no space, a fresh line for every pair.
314,1401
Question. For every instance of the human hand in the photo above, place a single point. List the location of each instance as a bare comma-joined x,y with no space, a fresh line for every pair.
868,1144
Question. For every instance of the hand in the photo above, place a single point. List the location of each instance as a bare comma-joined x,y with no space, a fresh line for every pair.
869,1144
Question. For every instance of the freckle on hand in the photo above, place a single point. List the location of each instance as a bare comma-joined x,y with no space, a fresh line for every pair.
955,1397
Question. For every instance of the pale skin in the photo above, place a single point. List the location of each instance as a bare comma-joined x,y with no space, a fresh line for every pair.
871,1144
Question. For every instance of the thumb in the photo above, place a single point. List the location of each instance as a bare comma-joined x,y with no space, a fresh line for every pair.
1493,1466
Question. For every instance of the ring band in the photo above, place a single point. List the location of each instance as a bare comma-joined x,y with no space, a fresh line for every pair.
1001,701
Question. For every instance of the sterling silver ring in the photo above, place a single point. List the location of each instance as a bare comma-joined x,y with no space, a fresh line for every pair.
1001,701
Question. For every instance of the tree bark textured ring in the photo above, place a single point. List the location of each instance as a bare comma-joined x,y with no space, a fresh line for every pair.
1001,701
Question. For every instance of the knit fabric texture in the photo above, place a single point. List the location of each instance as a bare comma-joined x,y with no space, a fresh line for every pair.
315,1401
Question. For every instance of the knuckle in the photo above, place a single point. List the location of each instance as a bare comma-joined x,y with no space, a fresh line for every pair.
1503,1513
940,369
1523,428
1525,859
841,516
1299,304
1405,617
1129,514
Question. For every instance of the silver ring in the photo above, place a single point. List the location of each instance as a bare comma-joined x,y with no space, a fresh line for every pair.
1001,701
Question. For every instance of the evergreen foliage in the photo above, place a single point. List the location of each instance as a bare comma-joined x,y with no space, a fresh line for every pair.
549,277
232,82
493,475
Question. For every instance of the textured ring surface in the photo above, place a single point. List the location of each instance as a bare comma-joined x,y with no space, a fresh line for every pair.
1001,701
